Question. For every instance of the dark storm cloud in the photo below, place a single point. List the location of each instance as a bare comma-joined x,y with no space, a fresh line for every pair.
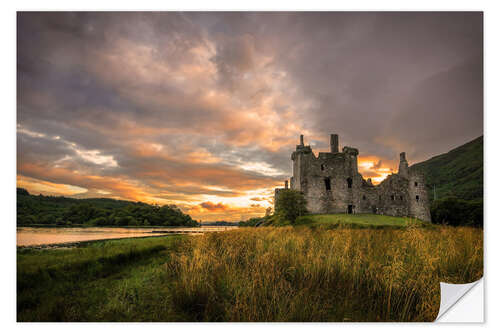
363,70
180,106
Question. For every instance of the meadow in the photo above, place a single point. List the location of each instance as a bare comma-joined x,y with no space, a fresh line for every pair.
358,220
299,273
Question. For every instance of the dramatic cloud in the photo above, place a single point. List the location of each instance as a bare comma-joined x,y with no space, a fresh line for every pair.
202,110
213,207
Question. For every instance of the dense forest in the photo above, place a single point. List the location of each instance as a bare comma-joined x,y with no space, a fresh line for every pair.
51,210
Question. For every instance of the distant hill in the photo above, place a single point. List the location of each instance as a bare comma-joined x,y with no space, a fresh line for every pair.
51,210
219,224
457,173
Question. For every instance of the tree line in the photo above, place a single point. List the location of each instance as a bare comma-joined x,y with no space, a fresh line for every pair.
52,210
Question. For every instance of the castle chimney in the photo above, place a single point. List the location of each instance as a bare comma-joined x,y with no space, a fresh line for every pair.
302,139
403,165
334,143
286,184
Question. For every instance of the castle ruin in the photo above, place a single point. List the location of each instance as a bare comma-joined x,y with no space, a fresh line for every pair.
332,184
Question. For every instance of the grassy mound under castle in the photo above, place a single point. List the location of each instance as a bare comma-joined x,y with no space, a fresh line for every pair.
358,220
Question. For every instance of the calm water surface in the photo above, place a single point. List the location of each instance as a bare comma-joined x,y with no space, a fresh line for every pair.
27,236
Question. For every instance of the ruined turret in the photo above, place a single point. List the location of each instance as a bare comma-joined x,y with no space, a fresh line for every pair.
301,148
403,165
299,157
334,143
419,201
352,160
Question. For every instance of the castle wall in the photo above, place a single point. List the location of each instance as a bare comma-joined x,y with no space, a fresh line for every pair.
393,196
418,208
331,183
369,200
335,169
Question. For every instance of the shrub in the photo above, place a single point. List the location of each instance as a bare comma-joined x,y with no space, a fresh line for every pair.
290,204
457,212
254,222
100,221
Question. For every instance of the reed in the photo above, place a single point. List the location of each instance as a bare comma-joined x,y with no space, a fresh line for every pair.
300,273
320,274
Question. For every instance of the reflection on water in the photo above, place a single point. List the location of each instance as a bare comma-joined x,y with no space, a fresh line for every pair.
41,236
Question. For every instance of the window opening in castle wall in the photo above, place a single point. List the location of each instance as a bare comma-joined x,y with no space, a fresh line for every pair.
328,185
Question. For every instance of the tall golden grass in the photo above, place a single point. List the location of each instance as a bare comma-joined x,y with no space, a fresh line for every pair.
300,274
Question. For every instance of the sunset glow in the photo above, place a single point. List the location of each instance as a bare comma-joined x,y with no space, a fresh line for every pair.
203,110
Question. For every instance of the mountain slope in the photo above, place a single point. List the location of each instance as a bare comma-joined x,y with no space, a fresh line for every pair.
457,173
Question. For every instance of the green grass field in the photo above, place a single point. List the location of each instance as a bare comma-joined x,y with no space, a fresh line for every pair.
296,273
368,220
113,280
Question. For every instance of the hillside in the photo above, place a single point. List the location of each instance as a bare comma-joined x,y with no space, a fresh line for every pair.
457,173
49,210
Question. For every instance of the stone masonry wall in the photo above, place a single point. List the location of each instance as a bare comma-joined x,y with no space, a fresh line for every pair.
419,208
331,183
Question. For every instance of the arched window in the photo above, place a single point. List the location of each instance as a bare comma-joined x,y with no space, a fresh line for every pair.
364,197
322,167
401,197
416,184
349,182
417,197
392,197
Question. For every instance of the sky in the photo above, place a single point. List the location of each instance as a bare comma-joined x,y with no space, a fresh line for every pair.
203,109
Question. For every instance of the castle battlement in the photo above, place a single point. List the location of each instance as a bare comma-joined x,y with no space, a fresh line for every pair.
331,183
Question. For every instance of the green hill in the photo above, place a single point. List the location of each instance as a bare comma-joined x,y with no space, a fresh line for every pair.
457,173
50,210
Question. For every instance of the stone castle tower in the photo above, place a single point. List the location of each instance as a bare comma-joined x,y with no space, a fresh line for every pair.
331,183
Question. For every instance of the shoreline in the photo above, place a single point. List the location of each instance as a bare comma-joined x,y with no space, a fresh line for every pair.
72,244
104,226
81,243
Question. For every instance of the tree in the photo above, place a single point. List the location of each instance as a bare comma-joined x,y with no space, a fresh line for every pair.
22,191
290,204
268,211
456,212
98,221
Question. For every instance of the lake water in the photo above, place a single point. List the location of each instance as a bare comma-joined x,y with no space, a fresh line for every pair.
28,236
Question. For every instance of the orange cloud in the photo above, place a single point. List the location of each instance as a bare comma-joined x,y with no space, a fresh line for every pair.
213,207
48,188
375,168
227,213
